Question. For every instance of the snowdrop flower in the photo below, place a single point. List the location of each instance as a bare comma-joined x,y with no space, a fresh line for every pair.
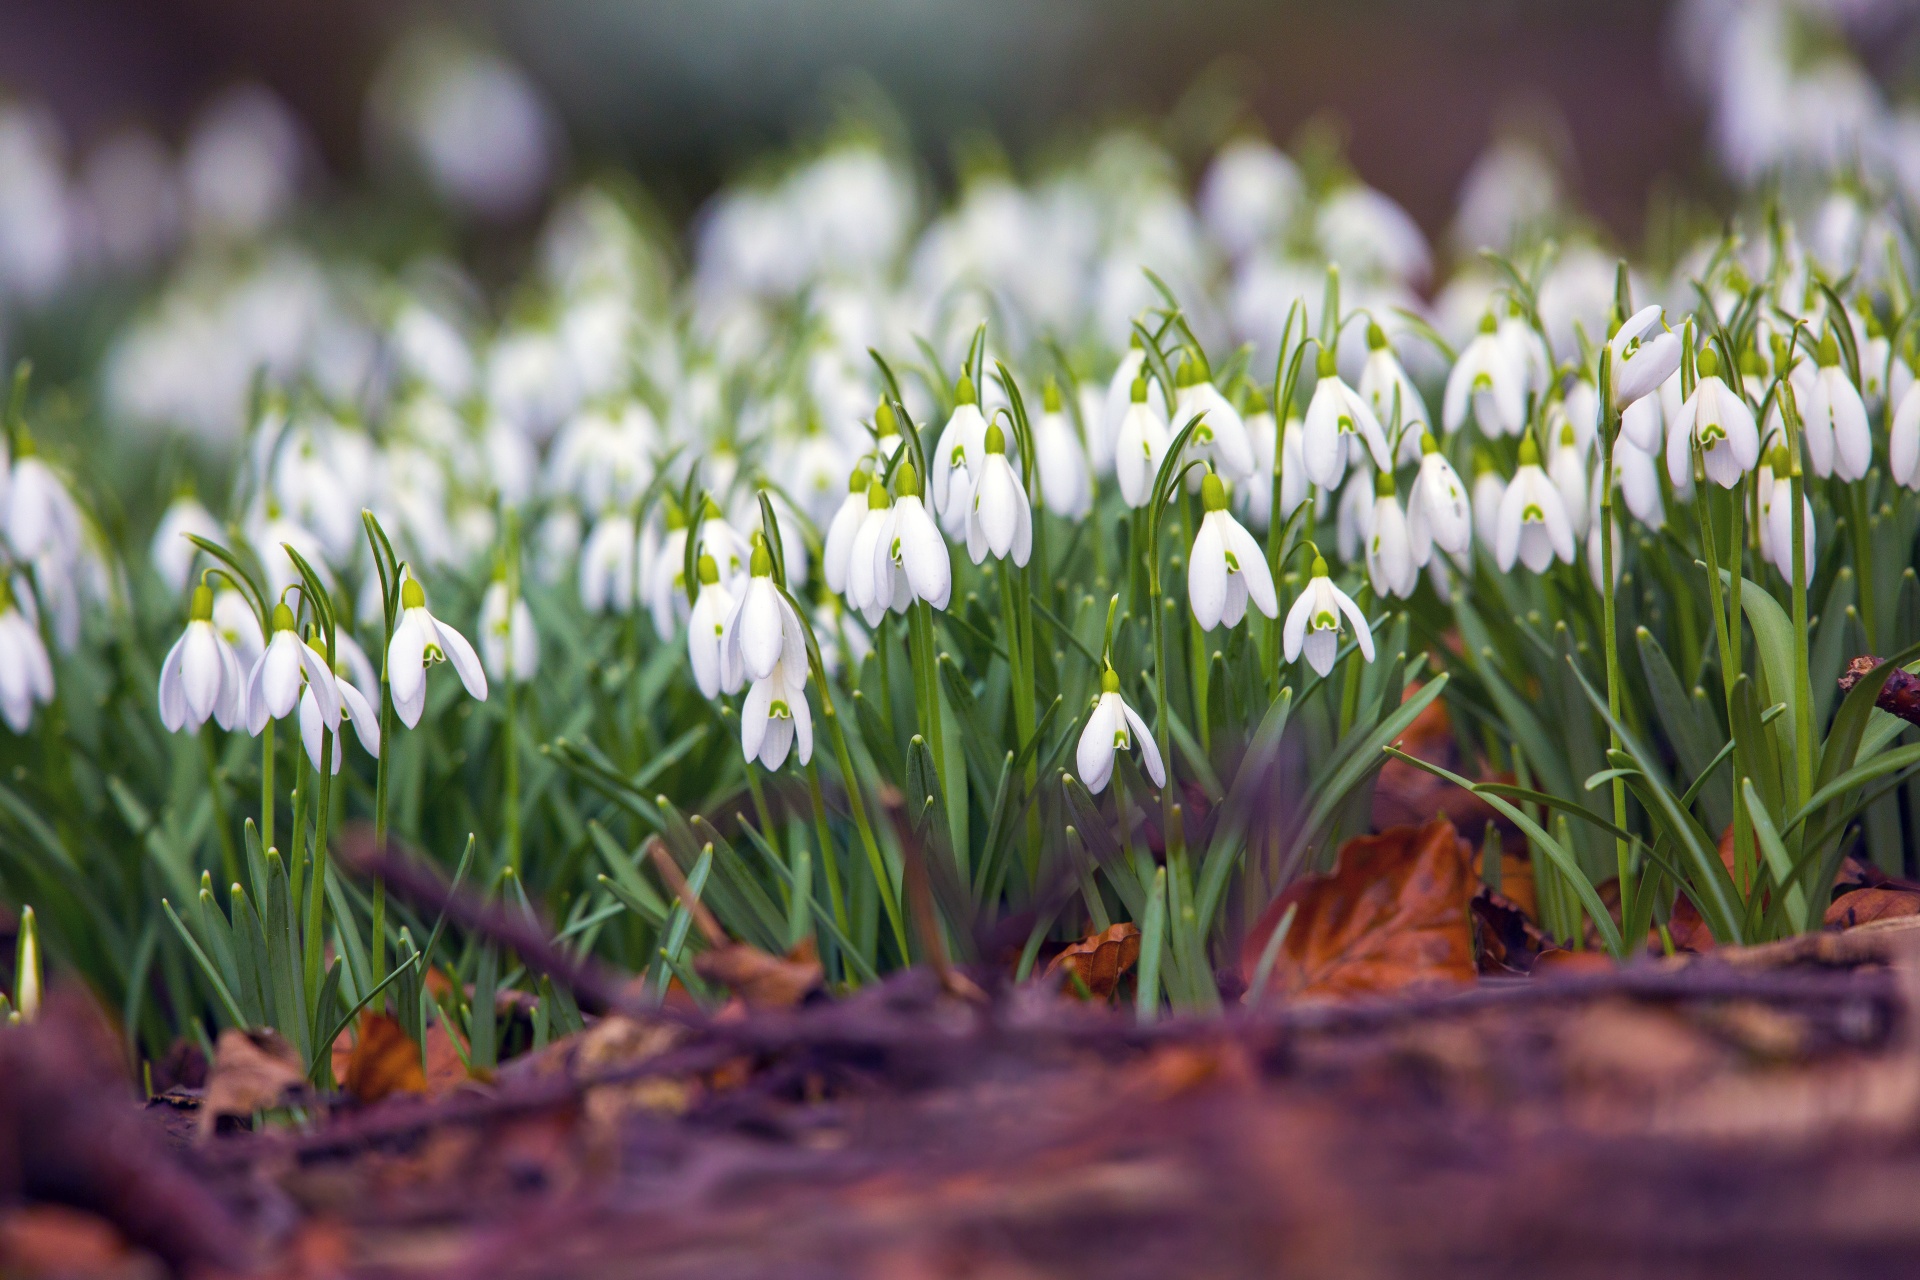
1533,524
201,677
1114,727
1438,513
1903,440
1525,349
1354,520
1596,565
1119,396
26,674
1580,406
1642,359
236,623
1720,422
1221,436
1226,567
707,629
1776,515
999,519
43,521
912,543
1336,413
775,715
1839,441
355,708
1313,624
1639,479
1390,563
761,631
874,583
1567,468
841,530
886,432
1066,483
274,685
956,459
1139,447
419,640
171,553
1489,490
607,564
1642,424
1484,379
1382,380
509,645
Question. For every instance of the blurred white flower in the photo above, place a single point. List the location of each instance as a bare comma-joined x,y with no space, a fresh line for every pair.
1111,728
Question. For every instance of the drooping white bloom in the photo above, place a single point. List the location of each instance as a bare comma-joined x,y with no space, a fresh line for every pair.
1580,407
607,564
1485,380
707,630
1226,567
1720,422
1489,490
1139,447
1776,515
1221,436
1533,524
874,585
237,624
1567,468
956,459
1903,440
1839,441
1639,479
355,708
1390,563
775,715
761,631
1354,519
841,530
1113,727
26,674
1119,395
1337,414
1066,481
1313,624
201,678
999,519
43,521
1596,564
1438,513
419,640
1642,359
509,645
172,554
1526,351
1383,381
898,554
283,668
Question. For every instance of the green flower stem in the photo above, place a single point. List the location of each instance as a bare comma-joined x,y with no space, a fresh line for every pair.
1610,638
829,861
889,901
760,809
1018,617
1725,627
229,854
1802,679
378,927
317,892
266,786
511,745
1162,713
1863,561
295,852
927,683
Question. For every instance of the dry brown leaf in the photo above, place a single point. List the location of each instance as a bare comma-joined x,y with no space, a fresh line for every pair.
1504,939
384,1060
1099,960
1878,902
252,1071
763,981
1394,914
53,1240
1561,960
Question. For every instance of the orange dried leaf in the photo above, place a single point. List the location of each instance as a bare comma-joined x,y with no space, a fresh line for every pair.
1099,960
384,1060
252,1071
763,981
1877,902
1394,914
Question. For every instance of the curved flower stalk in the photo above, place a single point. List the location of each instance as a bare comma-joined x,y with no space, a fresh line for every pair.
1533,524
419,641
283,670
201,678
999,518
1139,446
1485,380
26,674
1839,441
1226,567
1060,460
1338,419
1438,512
1642,359
509,644
1313,623
1390,563
1113,727
1719,422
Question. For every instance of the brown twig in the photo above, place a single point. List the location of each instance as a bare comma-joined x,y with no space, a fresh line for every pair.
1900,696
669,870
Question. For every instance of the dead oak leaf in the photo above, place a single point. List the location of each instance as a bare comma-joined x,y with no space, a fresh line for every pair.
761,980
1393,914
384,1060
1876,902
252,1071
1100,960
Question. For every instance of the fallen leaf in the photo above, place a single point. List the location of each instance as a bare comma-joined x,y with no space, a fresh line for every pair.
53,1240
763,981
1880,902
1406,794
252,1071
1504,939
1559,960
1099,959
1516,879
384,1061
1393,914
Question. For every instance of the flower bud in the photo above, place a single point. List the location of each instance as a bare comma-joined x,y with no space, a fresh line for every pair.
202,610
